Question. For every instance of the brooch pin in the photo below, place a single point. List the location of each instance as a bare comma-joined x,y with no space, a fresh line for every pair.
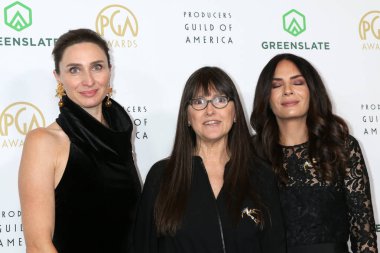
251,213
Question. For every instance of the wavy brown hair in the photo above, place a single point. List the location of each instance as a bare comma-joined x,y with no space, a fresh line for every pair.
327,132
176,181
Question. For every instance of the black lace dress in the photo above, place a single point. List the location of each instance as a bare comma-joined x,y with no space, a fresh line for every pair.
322,216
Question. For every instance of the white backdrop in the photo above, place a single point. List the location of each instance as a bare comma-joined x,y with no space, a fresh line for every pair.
156,45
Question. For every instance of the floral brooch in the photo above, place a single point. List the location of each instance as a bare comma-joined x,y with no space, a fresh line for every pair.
251,213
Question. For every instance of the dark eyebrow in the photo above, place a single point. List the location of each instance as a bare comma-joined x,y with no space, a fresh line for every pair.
296,76
96,62
72,65
293,77
78,64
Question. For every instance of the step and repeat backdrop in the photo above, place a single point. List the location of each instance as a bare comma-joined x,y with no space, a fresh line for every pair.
156,45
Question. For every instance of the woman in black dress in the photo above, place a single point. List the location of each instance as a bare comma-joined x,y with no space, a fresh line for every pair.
209,196
78,183
324,184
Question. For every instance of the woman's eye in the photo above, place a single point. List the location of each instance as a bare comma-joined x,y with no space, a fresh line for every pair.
98,67
74,70
275,85
198,101
299,83
221,99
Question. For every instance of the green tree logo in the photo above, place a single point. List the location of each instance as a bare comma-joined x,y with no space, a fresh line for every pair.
18,16
294,22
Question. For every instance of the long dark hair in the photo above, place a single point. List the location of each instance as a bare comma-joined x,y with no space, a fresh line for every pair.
327,132
173,194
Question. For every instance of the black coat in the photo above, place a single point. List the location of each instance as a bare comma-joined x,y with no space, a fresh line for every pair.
204,216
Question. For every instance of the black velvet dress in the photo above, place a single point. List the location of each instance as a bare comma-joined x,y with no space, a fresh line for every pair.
322,216
95,201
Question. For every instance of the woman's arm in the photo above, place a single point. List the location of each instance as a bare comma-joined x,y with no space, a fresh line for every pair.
359,204
36,189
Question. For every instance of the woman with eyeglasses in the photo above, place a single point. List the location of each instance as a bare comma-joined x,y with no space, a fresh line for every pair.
210,195
324,184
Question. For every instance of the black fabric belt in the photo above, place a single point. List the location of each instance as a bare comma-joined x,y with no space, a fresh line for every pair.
320,248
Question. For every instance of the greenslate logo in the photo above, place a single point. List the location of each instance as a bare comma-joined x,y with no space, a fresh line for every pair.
294,22
18,16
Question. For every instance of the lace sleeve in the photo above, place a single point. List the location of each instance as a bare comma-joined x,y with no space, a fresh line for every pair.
358,195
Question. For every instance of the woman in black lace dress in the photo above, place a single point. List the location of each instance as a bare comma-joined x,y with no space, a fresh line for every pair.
323,180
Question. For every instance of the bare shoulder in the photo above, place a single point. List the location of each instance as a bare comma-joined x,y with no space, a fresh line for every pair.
39,172
45,145
51,136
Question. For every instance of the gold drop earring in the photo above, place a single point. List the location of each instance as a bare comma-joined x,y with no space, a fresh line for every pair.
108,102
60,92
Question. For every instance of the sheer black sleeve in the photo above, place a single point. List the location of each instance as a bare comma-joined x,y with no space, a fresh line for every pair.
358,197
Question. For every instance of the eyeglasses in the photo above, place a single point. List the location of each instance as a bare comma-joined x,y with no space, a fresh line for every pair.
218,102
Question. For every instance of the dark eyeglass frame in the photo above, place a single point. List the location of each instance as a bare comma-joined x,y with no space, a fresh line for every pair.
208,101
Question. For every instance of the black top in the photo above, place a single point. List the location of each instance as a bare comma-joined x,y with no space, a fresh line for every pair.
204,217
318,212
95,200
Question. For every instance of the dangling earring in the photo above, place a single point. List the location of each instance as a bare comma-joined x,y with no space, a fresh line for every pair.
60,92
188,123
108,102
